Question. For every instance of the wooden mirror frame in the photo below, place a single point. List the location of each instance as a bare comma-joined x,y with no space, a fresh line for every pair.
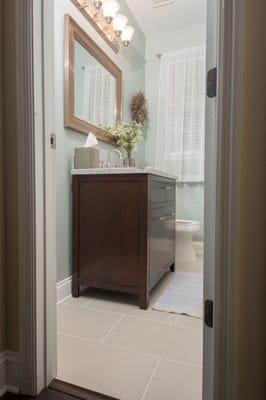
74,32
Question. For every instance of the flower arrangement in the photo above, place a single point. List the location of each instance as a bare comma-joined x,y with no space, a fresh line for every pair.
126,135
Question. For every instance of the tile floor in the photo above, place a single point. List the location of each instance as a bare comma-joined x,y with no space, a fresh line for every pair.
107,344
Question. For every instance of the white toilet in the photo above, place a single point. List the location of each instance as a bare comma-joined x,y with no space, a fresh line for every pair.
185,231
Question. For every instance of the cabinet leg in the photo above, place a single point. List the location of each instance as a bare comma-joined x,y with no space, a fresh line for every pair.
172,268
144,300
75,288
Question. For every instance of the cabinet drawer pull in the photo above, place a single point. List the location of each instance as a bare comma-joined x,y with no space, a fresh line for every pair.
166,187
158,218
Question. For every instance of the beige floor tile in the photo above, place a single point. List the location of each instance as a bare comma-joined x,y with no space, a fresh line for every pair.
105,369
174,342
81,301
126,305
190,322
196,267
92,324
173,381
86,296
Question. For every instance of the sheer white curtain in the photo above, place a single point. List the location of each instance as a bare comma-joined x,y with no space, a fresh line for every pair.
181,114
99,96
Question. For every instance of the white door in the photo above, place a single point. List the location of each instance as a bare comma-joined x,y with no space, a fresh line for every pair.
210,228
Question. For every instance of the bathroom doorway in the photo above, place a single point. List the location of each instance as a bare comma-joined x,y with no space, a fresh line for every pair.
98,328
209,253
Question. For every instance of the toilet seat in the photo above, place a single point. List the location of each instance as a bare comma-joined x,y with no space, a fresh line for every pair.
187,226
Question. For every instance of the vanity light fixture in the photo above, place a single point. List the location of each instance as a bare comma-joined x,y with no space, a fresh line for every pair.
110,9
127,34
119,24
104,17
97,4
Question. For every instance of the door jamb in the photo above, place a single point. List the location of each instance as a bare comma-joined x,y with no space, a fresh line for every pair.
33,301
231,49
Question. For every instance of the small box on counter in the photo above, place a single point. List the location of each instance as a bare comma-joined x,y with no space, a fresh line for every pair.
86,157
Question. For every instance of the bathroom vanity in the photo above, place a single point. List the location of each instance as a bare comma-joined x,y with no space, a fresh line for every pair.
123,229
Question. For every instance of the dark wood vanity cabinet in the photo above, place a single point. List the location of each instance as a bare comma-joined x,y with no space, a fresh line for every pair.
123,232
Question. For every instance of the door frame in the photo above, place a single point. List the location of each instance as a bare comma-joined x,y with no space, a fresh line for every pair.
223,223
37,246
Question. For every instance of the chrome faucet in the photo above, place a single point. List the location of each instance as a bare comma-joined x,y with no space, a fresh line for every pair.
109,158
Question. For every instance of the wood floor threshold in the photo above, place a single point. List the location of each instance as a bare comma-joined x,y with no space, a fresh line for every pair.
76,391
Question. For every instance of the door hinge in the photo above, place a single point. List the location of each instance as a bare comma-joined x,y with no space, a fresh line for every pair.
53,141
208,313
212,82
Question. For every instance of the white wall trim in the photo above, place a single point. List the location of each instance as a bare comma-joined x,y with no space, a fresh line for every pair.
30,200
63,290
26,193
47,25
10,368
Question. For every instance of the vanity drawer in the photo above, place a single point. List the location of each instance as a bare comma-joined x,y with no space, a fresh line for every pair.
170,212
170,192
162,191
162,213
157,214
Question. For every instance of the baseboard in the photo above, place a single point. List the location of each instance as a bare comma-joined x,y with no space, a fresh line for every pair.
9,372
63,290
3,374
199,247
3,391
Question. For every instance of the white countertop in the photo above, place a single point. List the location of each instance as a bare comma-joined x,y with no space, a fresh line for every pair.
101,171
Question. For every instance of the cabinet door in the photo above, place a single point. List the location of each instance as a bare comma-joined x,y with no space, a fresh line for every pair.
111,230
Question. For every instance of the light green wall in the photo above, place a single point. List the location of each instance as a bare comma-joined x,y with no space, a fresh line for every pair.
190,203
132,64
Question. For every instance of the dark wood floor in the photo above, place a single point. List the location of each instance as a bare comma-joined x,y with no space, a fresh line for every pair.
47,394
50,394
60,390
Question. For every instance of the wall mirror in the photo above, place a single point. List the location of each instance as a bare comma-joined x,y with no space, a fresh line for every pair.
93,85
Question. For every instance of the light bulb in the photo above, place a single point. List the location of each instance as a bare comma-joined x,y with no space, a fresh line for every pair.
110,9
127,34
119,23
97,4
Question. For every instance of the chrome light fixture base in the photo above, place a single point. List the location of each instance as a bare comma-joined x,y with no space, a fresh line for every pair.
97,4
104,17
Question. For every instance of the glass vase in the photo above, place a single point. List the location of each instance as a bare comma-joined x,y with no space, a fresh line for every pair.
129,162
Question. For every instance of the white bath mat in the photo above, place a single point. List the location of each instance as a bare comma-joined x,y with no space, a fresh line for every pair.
183,295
